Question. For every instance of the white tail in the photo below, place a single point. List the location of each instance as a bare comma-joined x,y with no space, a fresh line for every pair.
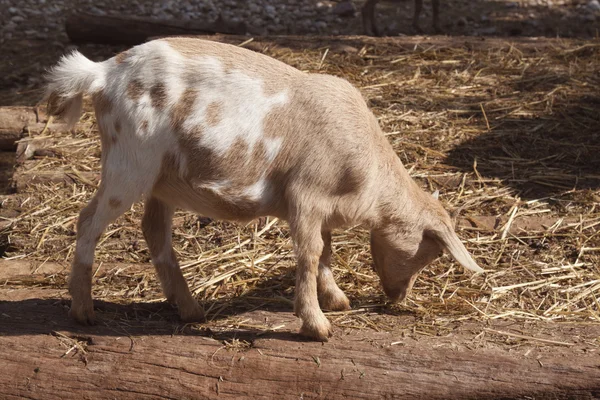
68,81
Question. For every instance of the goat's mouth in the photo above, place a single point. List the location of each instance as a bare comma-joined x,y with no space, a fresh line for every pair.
395,295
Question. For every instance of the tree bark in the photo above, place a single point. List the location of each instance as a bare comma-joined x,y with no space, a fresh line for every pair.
90,28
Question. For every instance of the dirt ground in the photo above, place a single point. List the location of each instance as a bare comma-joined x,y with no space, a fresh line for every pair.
506,128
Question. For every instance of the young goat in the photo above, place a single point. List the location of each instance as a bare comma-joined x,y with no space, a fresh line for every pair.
233,134
370,25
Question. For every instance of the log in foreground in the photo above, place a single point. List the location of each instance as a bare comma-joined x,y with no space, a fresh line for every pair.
132,354
112,29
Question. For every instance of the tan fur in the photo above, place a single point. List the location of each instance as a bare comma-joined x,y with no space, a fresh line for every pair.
121,57
275,74
183,109
213,113
102,104
330,295
156,226
103,107
87,214
56,105
158,96
80,281
135,90
114,202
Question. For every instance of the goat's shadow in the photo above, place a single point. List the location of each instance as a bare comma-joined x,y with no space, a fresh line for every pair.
271,298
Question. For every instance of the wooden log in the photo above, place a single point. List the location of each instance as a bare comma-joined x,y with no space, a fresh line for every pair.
22,178
17,270
134,353
113,29
17,123
13,124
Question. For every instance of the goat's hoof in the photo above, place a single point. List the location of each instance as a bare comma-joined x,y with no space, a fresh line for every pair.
317,331
193,313
83,312
336,301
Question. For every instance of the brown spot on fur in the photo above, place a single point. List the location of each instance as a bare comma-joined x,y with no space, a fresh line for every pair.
350,181
183,109
158,96
118,126
213,113
144,126
114,202
186,189
56,104
121,57
135,90
86,216
102,104
106,139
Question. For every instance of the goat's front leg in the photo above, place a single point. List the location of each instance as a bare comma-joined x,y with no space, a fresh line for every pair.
156,226
309,246
330,295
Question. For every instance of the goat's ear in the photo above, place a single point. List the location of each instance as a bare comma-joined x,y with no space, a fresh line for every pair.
448,239
436,195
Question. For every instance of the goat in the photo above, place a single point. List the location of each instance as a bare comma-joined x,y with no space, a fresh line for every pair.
233,134
370,25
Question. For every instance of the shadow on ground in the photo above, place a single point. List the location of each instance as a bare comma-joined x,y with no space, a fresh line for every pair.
540,150
269,300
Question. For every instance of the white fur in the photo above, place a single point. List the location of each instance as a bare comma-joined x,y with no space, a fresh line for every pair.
257,191
244,107
70,78
75,74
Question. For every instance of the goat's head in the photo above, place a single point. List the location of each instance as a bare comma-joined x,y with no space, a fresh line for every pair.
401,251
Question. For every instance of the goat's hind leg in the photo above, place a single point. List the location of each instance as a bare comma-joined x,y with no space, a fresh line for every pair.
108,204
156,225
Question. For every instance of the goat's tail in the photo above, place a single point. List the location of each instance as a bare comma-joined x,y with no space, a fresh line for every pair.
68,81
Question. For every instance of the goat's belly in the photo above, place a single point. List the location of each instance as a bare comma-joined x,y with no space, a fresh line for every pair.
218,201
